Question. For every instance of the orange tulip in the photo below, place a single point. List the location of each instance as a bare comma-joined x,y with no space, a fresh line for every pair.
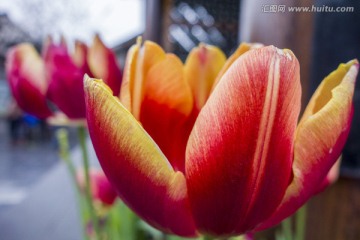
192,158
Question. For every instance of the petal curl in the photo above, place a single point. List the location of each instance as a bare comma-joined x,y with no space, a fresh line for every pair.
103,64
239,154
26,76
134,164
201,68
166,106
320,138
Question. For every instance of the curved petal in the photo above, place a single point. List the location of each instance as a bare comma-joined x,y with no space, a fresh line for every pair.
320,138
129,75
26,75
149,54
135,165
201,68
66,88
166,106
103,64
243,48
239,154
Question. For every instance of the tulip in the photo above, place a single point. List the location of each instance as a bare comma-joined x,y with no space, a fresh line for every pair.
103,64
64,76
57,76
101,189
247,164
25,74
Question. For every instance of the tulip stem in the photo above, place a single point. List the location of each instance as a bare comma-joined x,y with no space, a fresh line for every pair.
287,228
94,220
206,237
62,137
64,152
300,217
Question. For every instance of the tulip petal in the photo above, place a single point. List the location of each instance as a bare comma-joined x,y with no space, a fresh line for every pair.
201,68
243,48
66,88
149,54
25,73
129,75
167,104
103,64
135,165
320,138
79,57
239,154
331,176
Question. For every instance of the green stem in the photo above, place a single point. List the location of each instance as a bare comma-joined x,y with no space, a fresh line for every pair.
94,220
287,228
300,223
64,151
62,137
207,238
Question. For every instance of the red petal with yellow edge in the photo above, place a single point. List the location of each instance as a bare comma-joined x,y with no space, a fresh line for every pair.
166,106
239,154
26,76
243,48
149,55
201,68
103,64
66,89
135,165
320,138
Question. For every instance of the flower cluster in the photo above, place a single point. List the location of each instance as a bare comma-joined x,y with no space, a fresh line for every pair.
214,146
57,76
211,146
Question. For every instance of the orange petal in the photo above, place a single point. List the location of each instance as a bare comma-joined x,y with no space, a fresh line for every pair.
26,75
243,48
103,64
149,54
201,68
135,165
167,104
320,137
129,75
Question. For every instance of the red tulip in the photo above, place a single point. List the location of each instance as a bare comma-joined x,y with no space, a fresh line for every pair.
65,78
247,164
101,189
26,76
58,76
103,64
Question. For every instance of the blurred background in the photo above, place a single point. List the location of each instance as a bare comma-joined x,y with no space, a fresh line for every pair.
320,39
